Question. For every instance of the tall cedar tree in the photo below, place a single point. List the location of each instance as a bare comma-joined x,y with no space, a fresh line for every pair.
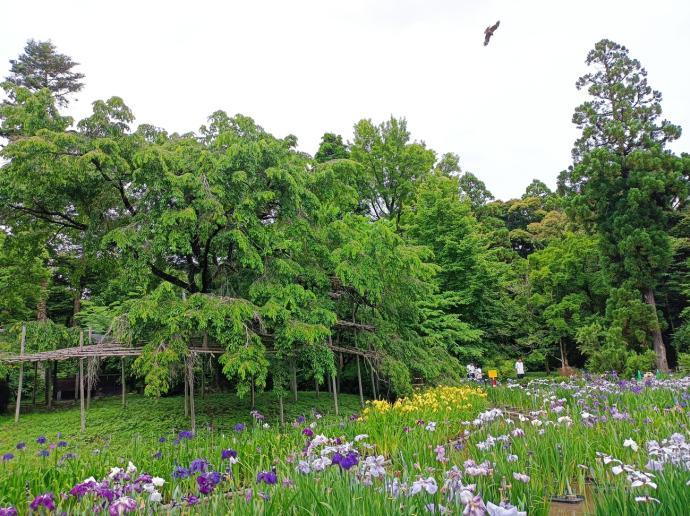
627,183
41,66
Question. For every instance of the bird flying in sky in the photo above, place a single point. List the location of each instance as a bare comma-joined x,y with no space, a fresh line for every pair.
490,32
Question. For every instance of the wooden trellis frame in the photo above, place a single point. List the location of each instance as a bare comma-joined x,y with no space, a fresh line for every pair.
109,348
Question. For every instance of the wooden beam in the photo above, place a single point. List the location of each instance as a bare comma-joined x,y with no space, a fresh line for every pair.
22,346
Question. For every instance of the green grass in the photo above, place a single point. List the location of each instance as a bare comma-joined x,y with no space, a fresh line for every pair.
108,422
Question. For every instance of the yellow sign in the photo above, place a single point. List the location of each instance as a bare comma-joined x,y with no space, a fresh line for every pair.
493,373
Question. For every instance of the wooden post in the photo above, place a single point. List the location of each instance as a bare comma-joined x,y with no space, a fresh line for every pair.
124,383
81,384
316,381
191,392
22,346
186,392
33,396
282,411
204,345
335,396
373,381
359,381
76,386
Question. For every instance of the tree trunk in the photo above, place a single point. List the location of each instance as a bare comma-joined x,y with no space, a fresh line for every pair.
76,308
659,348
42,307
293,369
564,356
253,394
316,382
54,389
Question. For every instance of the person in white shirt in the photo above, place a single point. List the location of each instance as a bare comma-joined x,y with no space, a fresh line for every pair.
478,375
470,371
520,369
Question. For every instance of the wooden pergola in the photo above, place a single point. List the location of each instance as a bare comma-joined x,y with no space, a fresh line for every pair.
108,347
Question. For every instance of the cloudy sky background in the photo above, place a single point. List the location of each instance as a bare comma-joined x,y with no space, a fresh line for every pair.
305,67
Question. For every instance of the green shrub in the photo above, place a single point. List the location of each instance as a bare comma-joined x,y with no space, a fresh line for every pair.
642,362
609,357
535,361
684,361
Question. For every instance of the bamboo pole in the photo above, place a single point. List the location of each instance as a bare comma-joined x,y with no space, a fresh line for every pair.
359,381
81,384
89,380
335,396
124,383
191,392
21,375
204,345
33,396
186,392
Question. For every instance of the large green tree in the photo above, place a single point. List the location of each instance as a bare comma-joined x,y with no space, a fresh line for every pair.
626,183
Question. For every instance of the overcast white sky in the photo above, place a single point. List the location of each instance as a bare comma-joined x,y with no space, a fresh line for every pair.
310,66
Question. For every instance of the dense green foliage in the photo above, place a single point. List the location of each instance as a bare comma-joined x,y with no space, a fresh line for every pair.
232,236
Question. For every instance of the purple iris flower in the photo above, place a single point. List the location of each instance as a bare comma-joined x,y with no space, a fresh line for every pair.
62,444
41,440
162,439
122,505
106,493
66,457
43,453
158,455
180,472
347,461
208,482
308,432
185,434
226,454
7,456
301,419
190,500
21,446
267,477
8,511
45,500
81,490
199,466
240,427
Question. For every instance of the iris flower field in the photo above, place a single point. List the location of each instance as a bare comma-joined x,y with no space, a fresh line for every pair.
623,446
